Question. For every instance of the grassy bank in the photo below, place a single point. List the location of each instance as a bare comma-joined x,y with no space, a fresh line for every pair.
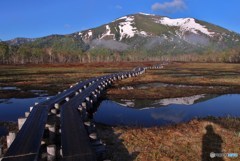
176,142
54,78
213,79
197,78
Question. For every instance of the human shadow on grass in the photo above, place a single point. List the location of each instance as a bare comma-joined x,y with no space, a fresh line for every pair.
211,144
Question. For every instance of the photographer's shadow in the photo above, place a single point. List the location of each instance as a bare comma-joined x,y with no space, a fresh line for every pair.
211,144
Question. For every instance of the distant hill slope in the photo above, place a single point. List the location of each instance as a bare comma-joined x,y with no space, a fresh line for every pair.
136,37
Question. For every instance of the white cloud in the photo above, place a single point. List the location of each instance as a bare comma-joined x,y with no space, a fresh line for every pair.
173,6
118,7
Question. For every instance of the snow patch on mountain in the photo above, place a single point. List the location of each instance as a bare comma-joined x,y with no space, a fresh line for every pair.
185,24
108,29
146,14
108,33
126,28
121,18
87,36
89,33
143,33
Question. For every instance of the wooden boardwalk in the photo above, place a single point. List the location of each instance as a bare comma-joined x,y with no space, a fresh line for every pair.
75,140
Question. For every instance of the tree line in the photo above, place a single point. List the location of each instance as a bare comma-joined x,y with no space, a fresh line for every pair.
25,54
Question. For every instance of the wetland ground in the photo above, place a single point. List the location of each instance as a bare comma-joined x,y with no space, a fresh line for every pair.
183,141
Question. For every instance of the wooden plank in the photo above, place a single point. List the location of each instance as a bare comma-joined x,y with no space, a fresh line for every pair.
75,141
28,139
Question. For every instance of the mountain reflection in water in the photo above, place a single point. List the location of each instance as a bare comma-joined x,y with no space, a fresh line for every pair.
115,113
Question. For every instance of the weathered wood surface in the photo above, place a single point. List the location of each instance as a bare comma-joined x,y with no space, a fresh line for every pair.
75,140
28,140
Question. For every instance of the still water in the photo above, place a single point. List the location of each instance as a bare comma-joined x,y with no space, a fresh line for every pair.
141,112
12,109
3,131
116,113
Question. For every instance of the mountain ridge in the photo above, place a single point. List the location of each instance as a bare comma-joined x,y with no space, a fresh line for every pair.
139,13
140,35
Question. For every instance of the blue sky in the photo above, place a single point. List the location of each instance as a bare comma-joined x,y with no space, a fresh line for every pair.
37,18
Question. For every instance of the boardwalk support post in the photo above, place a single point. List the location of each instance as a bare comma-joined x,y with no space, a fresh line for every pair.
30,108
84,105
54,111
51,150
56,105
93,136
21,121
27,114
10,138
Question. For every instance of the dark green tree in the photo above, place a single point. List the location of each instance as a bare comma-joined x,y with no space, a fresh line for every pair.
4,52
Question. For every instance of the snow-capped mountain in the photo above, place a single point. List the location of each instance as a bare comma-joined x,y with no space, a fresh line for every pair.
146,31
149,34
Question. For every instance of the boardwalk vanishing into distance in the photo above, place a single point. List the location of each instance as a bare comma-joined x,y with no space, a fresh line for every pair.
61,127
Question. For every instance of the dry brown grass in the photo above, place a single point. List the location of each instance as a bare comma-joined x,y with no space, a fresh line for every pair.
54,78
176,142
224,78
168,92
